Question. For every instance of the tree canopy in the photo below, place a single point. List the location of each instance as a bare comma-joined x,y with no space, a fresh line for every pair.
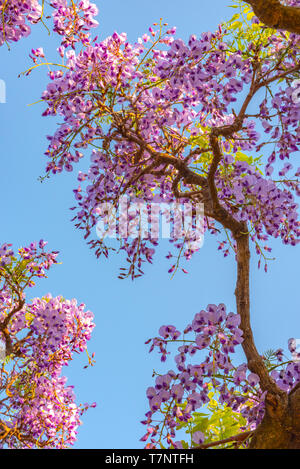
213,121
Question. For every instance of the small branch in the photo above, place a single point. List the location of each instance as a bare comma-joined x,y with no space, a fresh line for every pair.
239,438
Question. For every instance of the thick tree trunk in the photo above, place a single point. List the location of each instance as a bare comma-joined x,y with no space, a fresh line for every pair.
280,428
242,293
276,15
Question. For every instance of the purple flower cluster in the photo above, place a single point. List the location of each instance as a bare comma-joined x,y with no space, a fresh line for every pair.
73,21
271,210
38,338
61,325
70,20
15,16
177,394
141,103
5,254
55,329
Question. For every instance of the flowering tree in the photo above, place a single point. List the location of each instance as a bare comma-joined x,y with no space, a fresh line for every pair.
213,121
37,339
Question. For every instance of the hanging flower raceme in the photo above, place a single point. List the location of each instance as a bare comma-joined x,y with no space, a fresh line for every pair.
205,366
71,20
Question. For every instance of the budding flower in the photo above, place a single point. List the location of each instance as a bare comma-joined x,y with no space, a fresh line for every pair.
39,52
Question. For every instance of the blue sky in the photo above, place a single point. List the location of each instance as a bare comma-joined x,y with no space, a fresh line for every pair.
126,313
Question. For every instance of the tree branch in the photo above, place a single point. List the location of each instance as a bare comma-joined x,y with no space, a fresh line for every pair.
239,231
239,438
242,293
220,213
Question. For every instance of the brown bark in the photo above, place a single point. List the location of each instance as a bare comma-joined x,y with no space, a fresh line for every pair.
280,428
242,293
277,16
